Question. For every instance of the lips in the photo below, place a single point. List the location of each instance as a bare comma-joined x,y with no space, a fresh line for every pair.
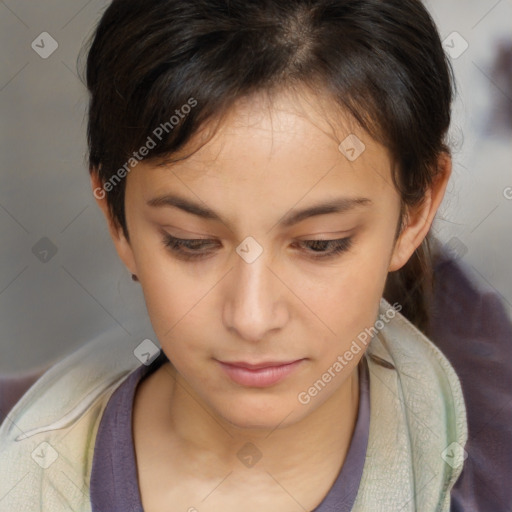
259,375
258,366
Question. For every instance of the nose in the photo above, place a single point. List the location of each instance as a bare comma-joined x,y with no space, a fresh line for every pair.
255,299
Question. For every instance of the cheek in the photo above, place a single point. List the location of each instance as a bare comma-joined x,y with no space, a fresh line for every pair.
179,304
169,291
170,294
175,304
348,303
163,301
346,297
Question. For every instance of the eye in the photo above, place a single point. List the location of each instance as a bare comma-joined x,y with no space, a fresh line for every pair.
194,248
336,247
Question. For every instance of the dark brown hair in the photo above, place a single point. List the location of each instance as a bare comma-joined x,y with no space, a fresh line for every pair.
381,61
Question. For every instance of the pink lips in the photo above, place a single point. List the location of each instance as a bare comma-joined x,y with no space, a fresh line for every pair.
259,375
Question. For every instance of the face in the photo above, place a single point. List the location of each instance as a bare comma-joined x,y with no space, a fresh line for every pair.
253,281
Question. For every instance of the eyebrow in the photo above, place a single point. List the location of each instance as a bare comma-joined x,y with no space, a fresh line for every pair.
338,205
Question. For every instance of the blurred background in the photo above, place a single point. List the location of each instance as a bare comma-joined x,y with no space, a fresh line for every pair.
61,282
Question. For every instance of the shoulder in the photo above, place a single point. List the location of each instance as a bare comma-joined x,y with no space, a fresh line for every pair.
50,431
417,413
412,352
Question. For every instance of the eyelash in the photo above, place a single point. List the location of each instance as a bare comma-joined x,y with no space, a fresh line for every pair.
176,245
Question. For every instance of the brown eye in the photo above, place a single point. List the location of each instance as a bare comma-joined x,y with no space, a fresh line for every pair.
188,249
334,247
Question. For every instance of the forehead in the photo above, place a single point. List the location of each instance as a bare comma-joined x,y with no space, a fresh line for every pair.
284,147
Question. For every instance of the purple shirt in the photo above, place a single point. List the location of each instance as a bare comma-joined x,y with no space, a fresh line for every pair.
114,486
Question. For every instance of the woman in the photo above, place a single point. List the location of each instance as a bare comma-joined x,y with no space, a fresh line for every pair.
269,173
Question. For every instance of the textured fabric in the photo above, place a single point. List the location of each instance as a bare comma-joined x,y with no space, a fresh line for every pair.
47,440
114,485
417,410
418,425
13,387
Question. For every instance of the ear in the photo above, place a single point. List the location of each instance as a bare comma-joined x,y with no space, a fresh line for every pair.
122,245
419,218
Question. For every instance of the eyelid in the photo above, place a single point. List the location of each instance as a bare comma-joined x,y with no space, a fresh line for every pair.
328,235
325,236
175,245
183,233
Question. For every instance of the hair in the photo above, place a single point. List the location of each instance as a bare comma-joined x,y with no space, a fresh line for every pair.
380,61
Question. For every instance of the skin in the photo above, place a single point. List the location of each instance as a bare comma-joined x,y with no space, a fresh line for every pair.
190,419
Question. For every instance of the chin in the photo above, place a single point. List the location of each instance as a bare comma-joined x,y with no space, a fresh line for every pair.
259,416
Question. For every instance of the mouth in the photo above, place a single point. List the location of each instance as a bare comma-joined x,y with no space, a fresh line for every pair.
261,374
